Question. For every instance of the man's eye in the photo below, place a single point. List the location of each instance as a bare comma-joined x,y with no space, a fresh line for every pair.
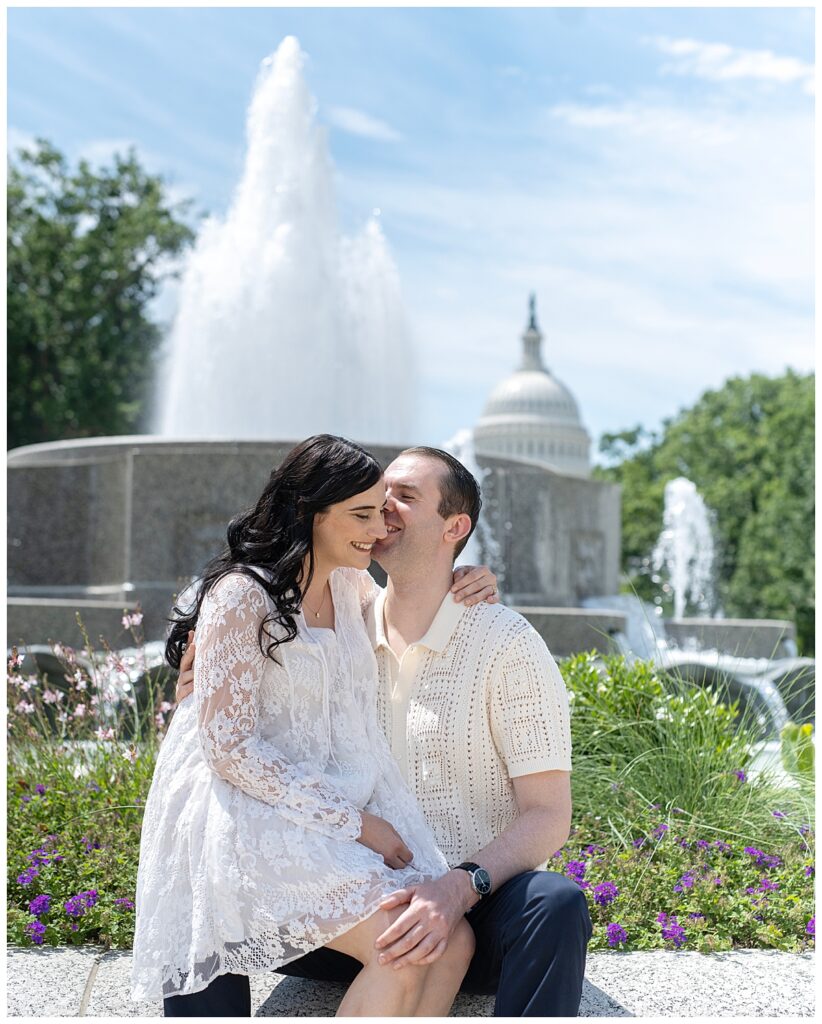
407,497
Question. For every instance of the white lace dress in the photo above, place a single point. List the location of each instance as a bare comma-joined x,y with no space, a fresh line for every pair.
248,855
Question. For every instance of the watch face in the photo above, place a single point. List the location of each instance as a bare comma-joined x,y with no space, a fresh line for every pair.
482,881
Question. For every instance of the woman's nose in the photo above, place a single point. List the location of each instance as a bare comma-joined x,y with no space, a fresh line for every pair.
379,531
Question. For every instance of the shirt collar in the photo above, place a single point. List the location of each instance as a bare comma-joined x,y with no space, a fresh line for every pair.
436,637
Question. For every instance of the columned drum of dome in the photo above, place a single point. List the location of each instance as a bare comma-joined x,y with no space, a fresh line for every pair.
532,416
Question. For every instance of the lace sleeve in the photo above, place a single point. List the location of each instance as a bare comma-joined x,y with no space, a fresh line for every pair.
365,585
227,672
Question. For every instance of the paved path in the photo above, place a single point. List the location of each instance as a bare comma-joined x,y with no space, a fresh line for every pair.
88,982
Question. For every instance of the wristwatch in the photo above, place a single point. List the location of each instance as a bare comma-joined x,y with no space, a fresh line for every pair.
480,879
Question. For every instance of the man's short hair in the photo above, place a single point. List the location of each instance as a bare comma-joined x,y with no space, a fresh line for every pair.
459,491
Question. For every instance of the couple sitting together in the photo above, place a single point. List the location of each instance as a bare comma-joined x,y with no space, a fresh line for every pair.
366,784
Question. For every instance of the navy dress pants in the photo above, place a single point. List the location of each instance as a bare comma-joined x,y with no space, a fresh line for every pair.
532,934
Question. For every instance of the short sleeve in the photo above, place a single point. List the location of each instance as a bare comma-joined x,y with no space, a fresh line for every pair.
530,717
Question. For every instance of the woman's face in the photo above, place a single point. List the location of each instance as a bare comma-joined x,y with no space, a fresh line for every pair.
345,534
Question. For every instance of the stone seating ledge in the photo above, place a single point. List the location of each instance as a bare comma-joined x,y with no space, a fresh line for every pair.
90,982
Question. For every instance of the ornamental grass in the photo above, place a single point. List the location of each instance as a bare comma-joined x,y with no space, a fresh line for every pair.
676,841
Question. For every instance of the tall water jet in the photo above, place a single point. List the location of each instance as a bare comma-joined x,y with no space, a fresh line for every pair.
284,326
686,547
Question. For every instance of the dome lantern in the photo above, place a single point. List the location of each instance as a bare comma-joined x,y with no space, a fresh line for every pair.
532,416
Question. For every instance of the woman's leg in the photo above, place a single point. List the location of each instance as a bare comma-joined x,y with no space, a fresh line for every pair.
445,974
377,991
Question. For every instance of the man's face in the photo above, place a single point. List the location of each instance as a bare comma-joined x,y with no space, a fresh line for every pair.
415,527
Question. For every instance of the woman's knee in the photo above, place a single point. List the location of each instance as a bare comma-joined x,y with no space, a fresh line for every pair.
461,945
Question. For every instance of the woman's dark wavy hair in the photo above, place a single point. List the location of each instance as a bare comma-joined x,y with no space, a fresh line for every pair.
276,534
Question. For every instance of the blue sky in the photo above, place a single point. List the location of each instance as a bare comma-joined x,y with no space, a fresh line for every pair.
647,172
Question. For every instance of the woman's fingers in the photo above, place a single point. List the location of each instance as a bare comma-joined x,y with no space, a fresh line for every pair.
477,581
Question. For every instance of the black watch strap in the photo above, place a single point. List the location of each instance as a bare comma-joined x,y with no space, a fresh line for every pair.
480,879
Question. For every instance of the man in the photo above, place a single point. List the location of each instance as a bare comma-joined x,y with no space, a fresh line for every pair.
476,713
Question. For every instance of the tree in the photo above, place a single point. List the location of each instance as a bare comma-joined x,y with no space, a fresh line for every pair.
87,251
748,447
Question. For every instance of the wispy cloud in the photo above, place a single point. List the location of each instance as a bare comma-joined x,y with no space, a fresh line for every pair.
357,122
722,63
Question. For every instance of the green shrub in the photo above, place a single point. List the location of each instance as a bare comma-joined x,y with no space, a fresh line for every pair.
664,804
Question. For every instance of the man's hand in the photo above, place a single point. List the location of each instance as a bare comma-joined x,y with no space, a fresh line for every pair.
473,584
185,680
420,934
380,836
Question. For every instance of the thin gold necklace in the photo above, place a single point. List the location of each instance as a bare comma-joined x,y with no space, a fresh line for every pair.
322,603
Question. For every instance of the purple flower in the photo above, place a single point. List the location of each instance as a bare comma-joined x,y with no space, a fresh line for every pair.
741,776
810,927
778,814
638,843
673,931
126,904
702,844
575,869
661,917
89,844
40,905
605,893
36,931
39,857
40,788
686,882
77,905
74,926
616,934
722,846
808,870
765,884
660,831
762,859
718,881
695,916
25,799
28,876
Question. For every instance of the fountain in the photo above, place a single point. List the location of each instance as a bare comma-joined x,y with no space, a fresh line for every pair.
285,327
686,547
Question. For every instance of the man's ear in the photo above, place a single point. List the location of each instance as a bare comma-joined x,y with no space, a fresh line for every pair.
459,526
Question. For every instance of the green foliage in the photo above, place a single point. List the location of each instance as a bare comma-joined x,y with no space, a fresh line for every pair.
749,448
797,749
659,787
87,251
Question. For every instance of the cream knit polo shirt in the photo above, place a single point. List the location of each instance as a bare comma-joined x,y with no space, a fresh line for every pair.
476,702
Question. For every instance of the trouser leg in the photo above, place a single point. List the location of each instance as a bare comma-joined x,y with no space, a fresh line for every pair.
532,935
229,995
323,964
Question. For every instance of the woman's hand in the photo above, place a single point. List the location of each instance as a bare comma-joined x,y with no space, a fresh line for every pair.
380,836
473,584
185,680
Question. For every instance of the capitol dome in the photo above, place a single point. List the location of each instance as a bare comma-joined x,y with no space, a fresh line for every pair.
533,416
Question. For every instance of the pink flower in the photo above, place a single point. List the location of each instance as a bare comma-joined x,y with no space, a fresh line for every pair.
104,734
131,754
24,708
51,697
79,711
165,706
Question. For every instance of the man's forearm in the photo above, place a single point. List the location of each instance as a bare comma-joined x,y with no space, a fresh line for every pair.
526,844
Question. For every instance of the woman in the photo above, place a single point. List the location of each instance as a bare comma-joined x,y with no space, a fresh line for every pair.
266,831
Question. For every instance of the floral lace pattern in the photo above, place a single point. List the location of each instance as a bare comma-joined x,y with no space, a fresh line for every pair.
248,855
